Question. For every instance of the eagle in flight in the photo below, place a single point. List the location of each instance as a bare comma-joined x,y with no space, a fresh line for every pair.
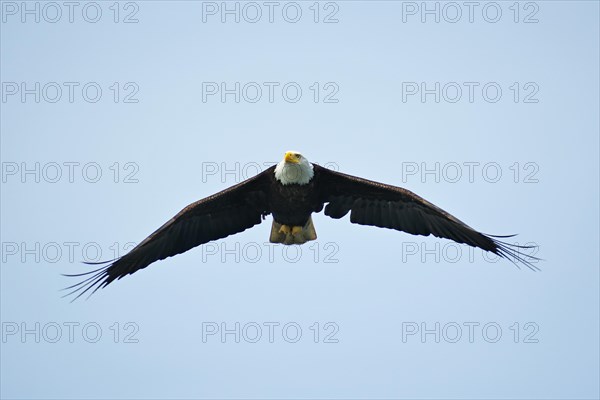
291,191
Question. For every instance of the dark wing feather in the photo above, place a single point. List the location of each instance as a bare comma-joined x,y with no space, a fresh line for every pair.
385,206
228,212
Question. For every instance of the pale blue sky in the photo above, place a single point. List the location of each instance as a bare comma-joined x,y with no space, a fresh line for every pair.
374,287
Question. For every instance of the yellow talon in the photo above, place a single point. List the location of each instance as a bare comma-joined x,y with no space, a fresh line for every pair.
284,229
296,230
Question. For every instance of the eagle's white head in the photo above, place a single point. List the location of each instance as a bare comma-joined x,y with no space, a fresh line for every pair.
294,169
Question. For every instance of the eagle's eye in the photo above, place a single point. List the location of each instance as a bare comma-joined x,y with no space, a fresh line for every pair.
298,156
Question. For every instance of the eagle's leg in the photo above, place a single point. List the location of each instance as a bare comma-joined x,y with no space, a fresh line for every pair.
286,234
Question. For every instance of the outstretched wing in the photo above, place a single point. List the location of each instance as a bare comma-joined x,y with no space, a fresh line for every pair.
385,206
228,212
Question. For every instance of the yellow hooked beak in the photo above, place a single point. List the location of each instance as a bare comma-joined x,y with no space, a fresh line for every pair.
292,157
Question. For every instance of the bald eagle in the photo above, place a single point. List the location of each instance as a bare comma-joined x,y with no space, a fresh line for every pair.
291,192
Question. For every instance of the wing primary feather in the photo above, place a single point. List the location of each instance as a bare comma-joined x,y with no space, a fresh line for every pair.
83,282
85,285
99,262
84,273
510,252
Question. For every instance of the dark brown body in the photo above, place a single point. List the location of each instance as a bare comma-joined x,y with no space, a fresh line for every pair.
293,204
